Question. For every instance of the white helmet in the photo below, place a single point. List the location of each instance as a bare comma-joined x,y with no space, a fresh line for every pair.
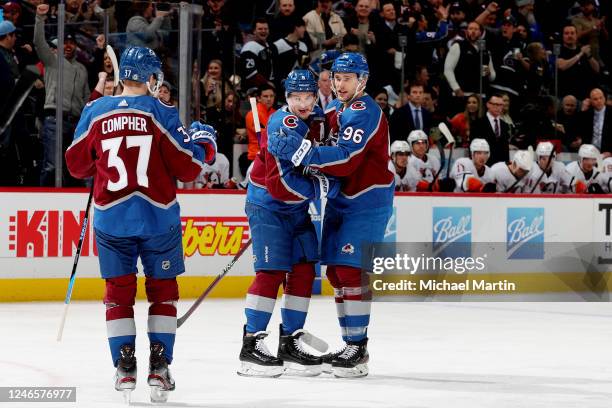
545,149
588,151
400,146
416,135
523,159
479,145
607,165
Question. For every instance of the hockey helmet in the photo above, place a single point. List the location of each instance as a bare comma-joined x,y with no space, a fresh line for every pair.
138,64
523,159
588,151
479,145
607,165
300,80
417,135
400,146
351,62
545,149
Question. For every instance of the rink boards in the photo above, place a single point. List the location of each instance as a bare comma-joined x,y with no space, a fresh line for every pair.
39,231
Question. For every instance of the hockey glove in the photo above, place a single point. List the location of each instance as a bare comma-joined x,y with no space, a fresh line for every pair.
324,186
287,144
422,185
473,185
205,136
580,187
489,188
595,189
447,185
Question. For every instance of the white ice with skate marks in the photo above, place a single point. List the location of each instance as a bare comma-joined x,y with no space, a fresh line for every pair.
501,355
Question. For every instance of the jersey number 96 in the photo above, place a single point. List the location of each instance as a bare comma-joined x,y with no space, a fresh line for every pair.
356,134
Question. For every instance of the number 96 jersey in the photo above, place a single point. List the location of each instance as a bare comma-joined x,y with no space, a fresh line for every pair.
135,147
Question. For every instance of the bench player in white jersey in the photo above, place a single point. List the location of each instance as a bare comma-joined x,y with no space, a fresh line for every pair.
550,177
512,177
406,177
472,175
585,176
607,175
426,164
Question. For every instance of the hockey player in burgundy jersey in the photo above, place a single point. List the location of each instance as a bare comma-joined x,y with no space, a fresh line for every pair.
285,244
135,147
360,213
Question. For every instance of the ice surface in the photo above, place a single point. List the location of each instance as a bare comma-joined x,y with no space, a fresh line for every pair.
422,355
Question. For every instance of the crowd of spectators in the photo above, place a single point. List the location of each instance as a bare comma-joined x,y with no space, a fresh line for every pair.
512,72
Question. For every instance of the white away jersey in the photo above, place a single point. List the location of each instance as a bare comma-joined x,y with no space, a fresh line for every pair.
427,168
463,169
409,180
557,182
215,174
576,174
505,179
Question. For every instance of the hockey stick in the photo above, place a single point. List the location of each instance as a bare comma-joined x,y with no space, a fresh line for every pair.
113,57
214,283
548,164
253,102
74,264
449,140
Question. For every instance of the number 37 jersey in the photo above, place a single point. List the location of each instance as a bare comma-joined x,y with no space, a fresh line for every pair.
135,147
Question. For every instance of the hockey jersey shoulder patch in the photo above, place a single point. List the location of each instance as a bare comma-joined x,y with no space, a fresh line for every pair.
290,121
358,106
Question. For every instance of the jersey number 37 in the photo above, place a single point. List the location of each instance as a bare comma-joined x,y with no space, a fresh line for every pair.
113,145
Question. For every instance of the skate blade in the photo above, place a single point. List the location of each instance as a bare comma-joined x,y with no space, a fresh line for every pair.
159,395
300,370
127,396
360,370
254,370
326,368
127,384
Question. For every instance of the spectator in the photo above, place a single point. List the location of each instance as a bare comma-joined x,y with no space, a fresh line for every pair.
165,94
289,53
410,116
456,19
462,122
362,27
596,126
256,57
494,130
578,69
324,27
228,123
325,89
538,72
75,94
505,115
143,29
282,23
387,36
101,61
590,29
210,86
526,16
462,67
382,99
569,119
220,34
104,87
9,73
265,107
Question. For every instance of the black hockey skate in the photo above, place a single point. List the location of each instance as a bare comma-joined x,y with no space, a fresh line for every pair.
353,362
256,360
329,357
160,380
296,360
125,376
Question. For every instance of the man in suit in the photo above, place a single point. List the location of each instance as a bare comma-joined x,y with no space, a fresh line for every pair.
596,123
411,116
494,130
325,89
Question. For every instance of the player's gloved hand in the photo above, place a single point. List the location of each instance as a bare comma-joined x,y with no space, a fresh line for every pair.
287,144
595,189
489,188
325,186
580,187
473,185
205,136
422,185
447,185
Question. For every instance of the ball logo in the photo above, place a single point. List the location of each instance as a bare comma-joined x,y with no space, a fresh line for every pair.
452,231
358,106
290,121
525,233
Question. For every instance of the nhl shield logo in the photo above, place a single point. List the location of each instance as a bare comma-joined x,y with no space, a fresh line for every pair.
348,249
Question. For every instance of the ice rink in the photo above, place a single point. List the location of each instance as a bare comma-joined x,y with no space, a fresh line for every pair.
422,355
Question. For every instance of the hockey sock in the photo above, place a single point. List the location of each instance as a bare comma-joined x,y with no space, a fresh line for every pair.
357,301
261,298
296,298
335,282
119,300
162,295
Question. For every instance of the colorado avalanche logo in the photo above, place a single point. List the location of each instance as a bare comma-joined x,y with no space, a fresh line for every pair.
290,121
358,106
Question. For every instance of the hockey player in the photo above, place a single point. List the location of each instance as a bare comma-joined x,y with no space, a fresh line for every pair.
585,177
556,179
423,162
472,175
512,177
358,215
285,244
406,177
134,146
